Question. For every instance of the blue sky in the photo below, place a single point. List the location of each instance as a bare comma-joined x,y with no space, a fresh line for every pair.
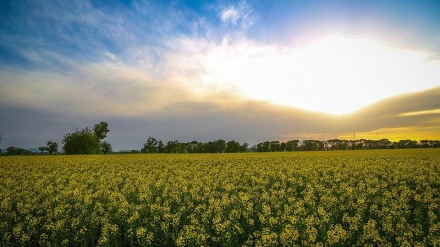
84,31
150,64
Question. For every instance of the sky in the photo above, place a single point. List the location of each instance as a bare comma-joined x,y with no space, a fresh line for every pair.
251,70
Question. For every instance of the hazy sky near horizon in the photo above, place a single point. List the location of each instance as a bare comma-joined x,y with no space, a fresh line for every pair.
210,69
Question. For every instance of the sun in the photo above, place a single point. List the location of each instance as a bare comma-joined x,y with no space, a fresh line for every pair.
334,74
339,75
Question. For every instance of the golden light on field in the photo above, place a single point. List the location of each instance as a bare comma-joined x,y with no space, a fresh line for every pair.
397,134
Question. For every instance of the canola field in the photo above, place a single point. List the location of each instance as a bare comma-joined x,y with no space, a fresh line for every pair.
346,198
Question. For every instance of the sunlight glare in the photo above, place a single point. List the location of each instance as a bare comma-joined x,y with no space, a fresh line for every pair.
335,74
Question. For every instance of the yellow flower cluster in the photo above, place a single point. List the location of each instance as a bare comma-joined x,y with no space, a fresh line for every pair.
358,198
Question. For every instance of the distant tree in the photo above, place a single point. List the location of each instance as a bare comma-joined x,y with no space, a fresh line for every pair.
283,146
307,145
407,144
217,146
151,146
201,147
359,145
106,147
266,146
384,143
160,147
312,145
430,143
211,147
42,149
52,147
332,144
220,145
319,145
232,147
235,147
259,147
17,151
1,137
343,144
243,148
11,150
275,146
292,145
172,147
185,147
193,147
81,141
101,130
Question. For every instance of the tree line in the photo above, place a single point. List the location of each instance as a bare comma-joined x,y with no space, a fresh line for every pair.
218,146
336,144
91,141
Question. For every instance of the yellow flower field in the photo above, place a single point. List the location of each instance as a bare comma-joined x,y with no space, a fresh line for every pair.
347,198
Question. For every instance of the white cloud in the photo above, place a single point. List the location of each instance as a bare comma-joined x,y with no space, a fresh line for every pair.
230,15
240,15
110,55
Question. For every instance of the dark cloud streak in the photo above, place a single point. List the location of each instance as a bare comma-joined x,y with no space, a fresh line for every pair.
248,121
387,113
